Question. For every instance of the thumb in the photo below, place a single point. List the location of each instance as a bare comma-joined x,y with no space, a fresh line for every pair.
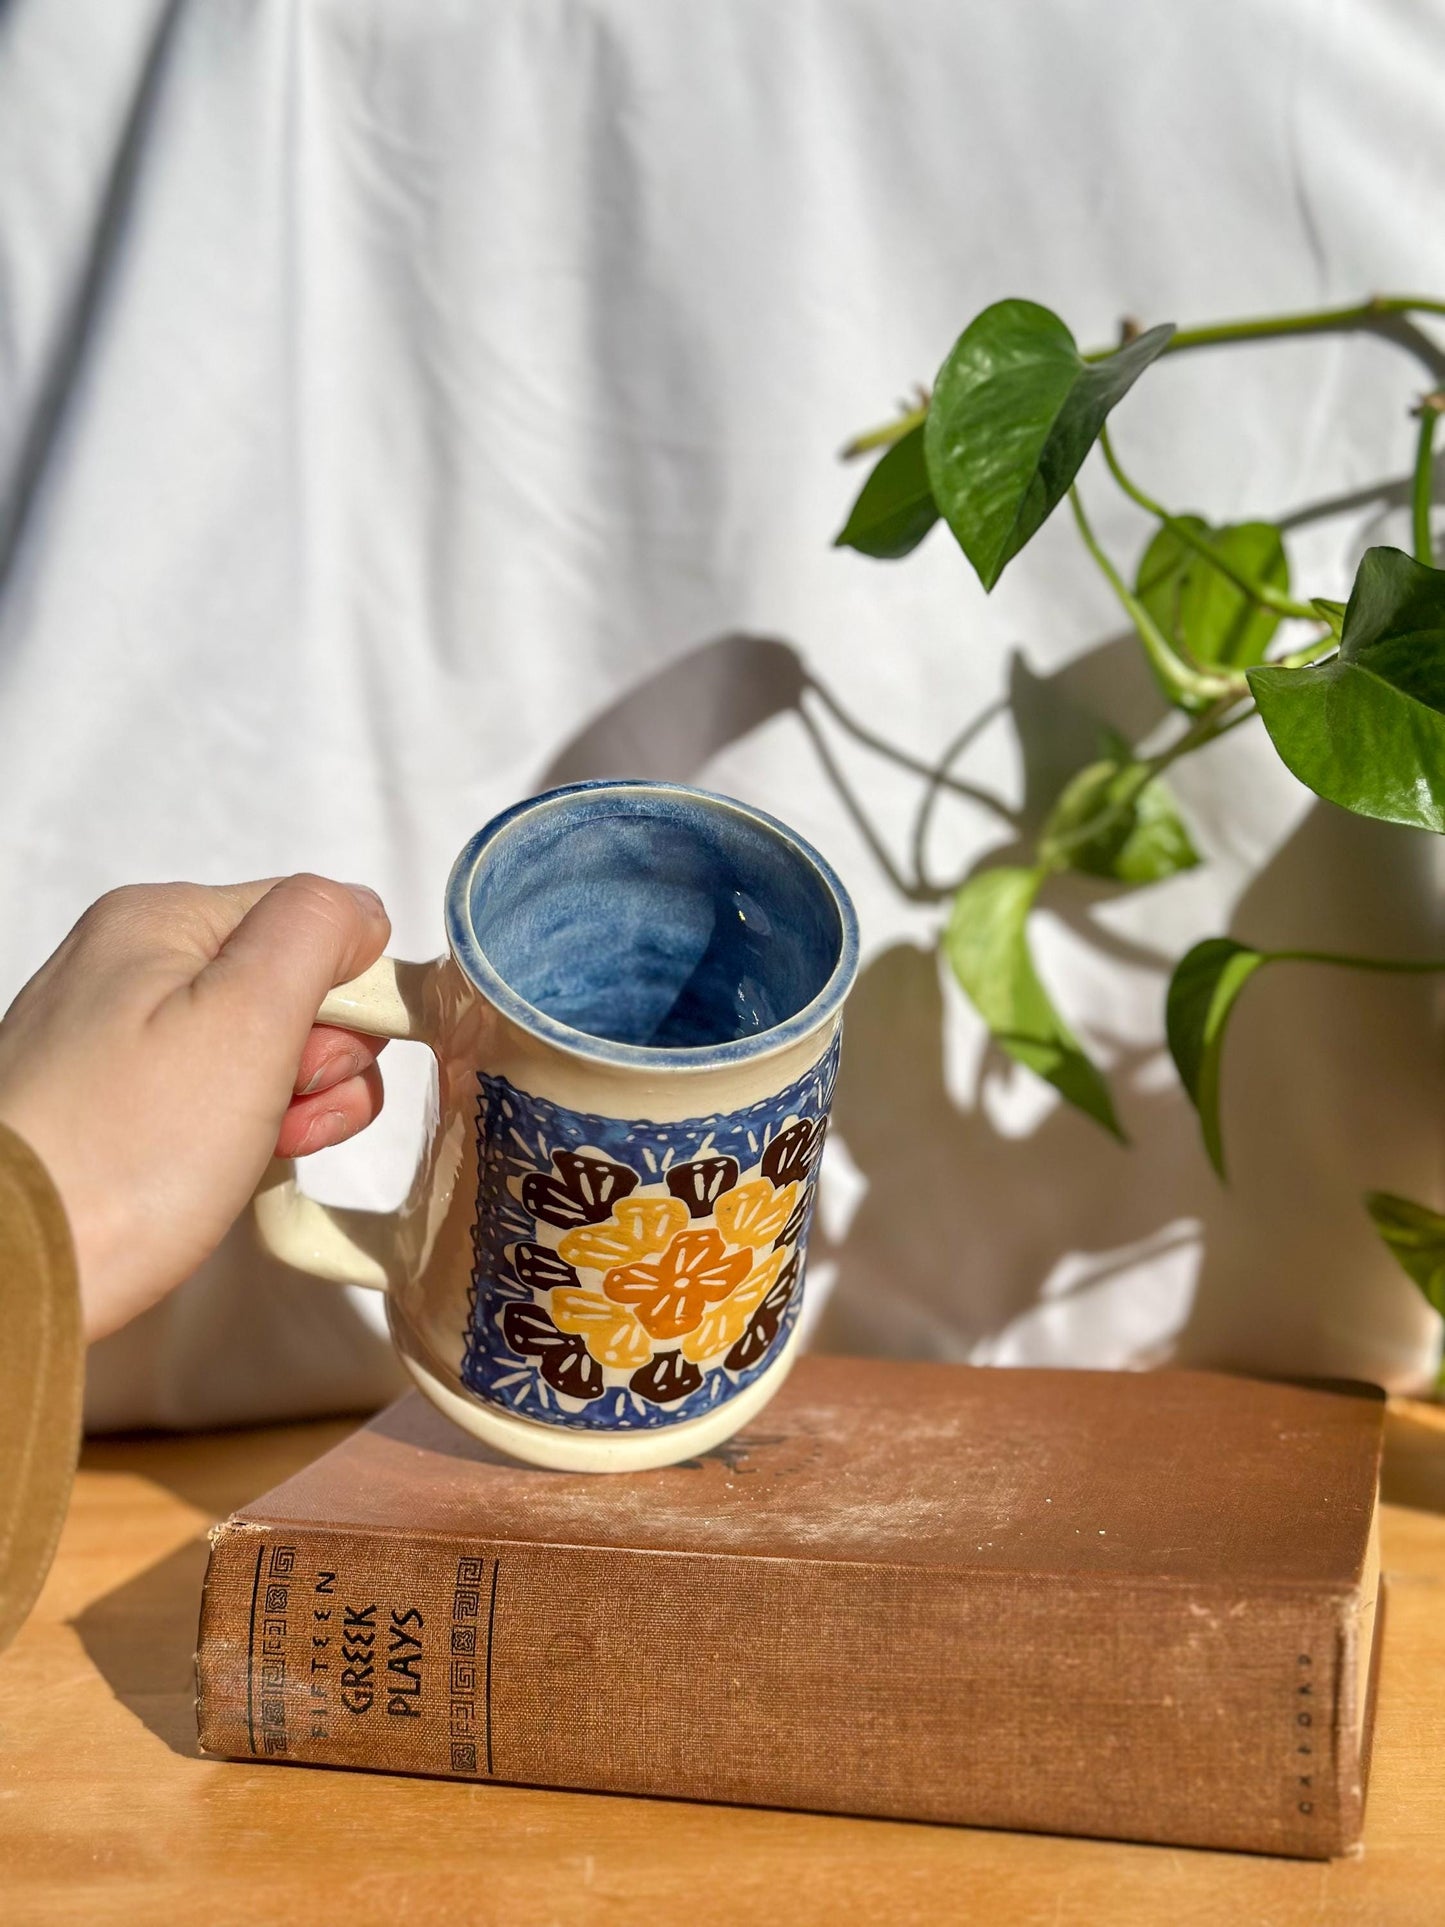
303,937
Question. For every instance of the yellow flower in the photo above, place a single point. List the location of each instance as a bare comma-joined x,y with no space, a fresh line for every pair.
637,1228
754,1213
722,1325
672,1292
610,1332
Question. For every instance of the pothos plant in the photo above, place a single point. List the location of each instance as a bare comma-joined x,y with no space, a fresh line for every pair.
1351,695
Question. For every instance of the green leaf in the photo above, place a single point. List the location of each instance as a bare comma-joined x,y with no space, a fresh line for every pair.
1416,1235
986,942
1331,612
1015,410
895,508
1202,993
1366,729
1107,826
1201,611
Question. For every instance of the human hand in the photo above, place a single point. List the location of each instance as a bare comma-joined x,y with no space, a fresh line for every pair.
168,1049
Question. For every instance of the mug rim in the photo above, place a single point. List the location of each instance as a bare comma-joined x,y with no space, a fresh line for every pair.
484,977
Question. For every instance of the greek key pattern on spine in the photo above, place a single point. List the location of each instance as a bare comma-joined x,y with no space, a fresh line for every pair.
274,1737
474,1606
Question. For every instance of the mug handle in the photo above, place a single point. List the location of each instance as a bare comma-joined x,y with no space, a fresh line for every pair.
349,1247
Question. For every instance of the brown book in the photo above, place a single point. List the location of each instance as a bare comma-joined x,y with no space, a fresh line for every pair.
1139,1605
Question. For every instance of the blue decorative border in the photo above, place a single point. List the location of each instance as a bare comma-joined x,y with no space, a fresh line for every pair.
518,1134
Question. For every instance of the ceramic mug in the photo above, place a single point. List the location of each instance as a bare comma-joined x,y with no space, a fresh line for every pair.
600,1263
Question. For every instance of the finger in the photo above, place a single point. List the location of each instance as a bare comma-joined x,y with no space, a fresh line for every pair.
189,919
177,926
331,1055
330,1117
304,935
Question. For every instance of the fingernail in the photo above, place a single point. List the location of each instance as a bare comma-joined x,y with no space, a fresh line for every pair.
370,902
335,1072
324,1130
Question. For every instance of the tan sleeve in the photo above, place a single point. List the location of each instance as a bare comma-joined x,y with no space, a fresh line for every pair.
42,1376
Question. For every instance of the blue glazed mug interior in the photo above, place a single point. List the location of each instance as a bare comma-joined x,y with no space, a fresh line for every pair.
634,917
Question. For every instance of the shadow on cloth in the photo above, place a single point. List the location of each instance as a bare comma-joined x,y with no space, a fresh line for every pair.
960,1226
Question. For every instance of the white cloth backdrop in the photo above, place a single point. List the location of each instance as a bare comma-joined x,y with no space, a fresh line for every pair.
407,403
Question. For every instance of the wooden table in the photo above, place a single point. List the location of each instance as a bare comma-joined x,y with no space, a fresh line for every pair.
106,1813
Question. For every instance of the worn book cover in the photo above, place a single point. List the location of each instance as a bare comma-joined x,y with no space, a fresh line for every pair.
1139,1605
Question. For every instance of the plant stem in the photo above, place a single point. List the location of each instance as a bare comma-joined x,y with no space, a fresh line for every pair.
1247,714
1312,321
1261,592
1407,966
1204,729
886,436
1424,470
1171,669
1324,645
1359,315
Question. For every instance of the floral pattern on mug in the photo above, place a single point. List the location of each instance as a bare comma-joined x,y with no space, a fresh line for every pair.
637,1229
635,1274
671,1292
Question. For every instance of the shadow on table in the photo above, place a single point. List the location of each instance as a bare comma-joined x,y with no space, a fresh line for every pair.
141,1637
218,1471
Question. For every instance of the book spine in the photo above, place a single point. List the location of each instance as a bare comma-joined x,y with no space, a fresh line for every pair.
1124,1709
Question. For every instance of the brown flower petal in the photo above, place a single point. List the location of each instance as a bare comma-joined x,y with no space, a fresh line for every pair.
668,1378
598,1182
702,1182
583,1191
539,1266
564,1359
793,1229
793,1153
576,1373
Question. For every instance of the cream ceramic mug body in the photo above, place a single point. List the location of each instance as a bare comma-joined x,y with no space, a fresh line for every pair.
599,1266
